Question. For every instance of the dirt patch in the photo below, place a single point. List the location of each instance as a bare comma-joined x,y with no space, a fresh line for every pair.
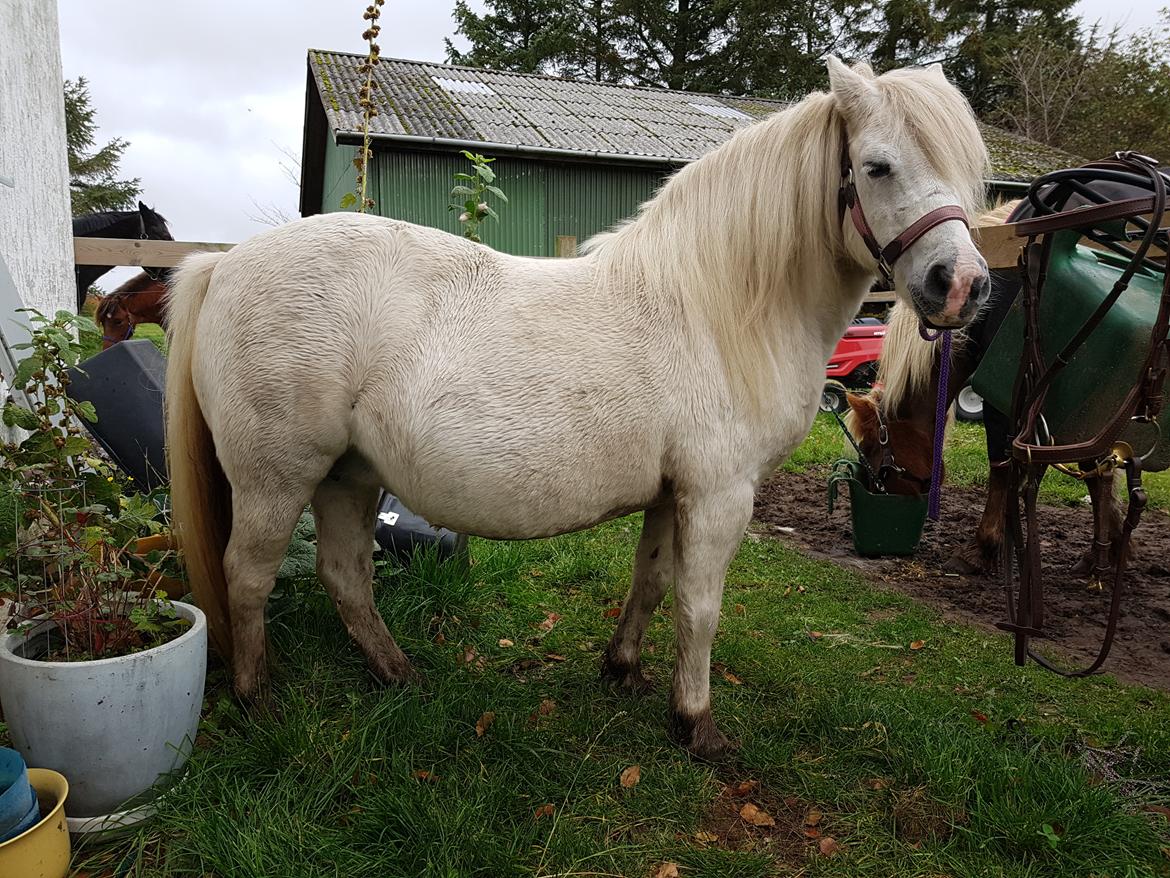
793,508
747,816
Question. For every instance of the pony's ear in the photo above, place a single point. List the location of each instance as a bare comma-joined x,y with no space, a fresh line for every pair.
863,411
936,69
852,87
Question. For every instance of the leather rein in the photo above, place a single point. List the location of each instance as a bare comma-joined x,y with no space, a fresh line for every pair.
885,257
1032,449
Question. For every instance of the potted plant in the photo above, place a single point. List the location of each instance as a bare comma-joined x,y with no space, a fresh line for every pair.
101,674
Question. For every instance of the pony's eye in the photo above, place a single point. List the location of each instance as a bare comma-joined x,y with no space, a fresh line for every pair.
874,170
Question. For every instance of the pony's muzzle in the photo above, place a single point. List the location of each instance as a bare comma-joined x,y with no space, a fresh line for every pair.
952,293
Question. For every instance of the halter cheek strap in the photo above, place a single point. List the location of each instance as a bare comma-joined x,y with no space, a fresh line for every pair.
885,257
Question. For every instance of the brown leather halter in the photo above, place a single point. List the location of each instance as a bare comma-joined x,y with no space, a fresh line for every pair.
885,257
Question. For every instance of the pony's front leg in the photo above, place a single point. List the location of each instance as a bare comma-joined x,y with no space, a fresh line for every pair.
708,529
653,574
1098,562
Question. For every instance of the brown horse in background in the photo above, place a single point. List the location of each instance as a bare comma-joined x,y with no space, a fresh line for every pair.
142,299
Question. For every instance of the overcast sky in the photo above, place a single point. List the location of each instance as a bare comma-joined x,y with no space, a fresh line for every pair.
209,92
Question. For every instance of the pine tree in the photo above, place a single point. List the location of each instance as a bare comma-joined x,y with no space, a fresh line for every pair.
524,36
93,176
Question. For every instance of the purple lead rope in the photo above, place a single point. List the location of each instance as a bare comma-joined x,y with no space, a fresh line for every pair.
940,418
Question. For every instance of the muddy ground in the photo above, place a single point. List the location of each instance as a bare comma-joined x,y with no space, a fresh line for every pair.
1076,613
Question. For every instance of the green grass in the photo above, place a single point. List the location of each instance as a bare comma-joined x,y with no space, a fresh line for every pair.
944,760
966,463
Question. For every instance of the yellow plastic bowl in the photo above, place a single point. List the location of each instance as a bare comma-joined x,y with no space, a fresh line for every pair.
43,850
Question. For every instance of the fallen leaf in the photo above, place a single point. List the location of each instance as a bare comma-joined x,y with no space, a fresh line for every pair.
918,644
485,723
440,639
800,588
505,642
549,621
788,591
1156,809
981,718
631,776
666,870
543,811
815,635
829,846
813,817
740,610
612,613
705,837
876,783
469,655
811,832
732,679
755,816
426,777
554,657
547,706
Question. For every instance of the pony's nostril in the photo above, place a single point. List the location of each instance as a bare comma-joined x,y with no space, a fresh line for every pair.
938,280
981,288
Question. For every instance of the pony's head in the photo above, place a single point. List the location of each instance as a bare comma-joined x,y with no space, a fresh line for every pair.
899,451
154,225
114,318
912,146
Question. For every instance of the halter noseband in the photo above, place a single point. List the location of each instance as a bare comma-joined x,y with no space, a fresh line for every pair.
885,257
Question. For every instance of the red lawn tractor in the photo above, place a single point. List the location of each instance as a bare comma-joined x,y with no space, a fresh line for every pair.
853,365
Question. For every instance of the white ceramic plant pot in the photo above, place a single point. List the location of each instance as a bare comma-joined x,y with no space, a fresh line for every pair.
113,726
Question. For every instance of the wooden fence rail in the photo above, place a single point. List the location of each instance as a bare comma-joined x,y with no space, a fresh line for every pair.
998,243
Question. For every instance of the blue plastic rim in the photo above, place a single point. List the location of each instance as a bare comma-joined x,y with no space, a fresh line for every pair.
18,800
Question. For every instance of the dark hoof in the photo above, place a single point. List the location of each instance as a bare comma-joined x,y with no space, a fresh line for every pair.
393,670
624,677
699,736
971,561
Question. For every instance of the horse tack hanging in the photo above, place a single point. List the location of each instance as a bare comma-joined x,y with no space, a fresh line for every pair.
1034,448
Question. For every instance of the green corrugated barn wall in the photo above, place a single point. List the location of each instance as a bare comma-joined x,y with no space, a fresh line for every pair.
546,200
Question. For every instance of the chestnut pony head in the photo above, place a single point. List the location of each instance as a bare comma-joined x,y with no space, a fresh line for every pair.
141,299
898,450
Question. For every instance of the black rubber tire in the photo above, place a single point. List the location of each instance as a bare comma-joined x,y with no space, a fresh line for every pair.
969,405
833,400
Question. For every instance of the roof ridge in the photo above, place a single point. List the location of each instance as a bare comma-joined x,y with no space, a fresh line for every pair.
549,77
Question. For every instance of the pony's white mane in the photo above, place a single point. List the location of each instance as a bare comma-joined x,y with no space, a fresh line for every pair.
907,363
743,234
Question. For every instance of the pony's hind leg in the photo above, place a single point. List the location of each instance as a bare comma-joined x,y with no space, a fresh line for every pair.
653,575
344,509
708,529
262,524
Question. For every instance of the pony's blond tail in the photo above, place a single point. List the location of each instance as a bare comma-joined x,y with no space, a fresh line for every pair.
200,493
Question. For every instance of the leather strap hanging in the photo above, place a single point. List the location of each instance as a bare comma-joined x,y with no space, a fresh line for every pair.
1031,454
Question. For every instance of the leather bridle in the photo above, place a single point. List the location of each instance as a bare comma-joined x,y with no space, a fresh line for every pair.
885,257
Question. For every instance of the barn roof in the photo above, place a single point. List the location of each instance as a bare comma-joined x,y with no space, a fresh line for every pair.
423,104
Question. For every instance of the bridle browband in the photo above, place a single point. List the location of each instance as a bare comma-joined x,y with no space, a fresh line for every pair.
885,257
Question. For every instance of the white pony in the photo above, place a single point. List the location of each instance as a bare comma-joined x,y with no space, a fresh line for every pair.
670,369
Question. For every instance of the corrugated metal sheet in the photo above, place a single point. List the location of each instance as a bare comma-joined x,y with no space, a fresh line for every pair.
585,200
414,186
527,111
545,200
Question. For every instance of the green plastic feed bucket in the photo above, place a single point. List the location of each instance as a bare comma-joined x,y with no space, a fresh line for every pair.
883,524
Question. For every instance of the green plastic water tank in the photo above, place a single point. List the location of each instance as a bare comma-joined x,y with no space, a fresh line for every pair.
1086,393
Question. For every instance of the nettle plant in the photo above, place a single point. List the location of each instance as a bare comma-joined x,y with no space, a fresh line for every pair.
470,194
69,527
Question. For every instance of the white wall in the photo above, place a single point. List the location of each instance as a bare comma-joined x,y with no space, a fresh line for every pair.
36,233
